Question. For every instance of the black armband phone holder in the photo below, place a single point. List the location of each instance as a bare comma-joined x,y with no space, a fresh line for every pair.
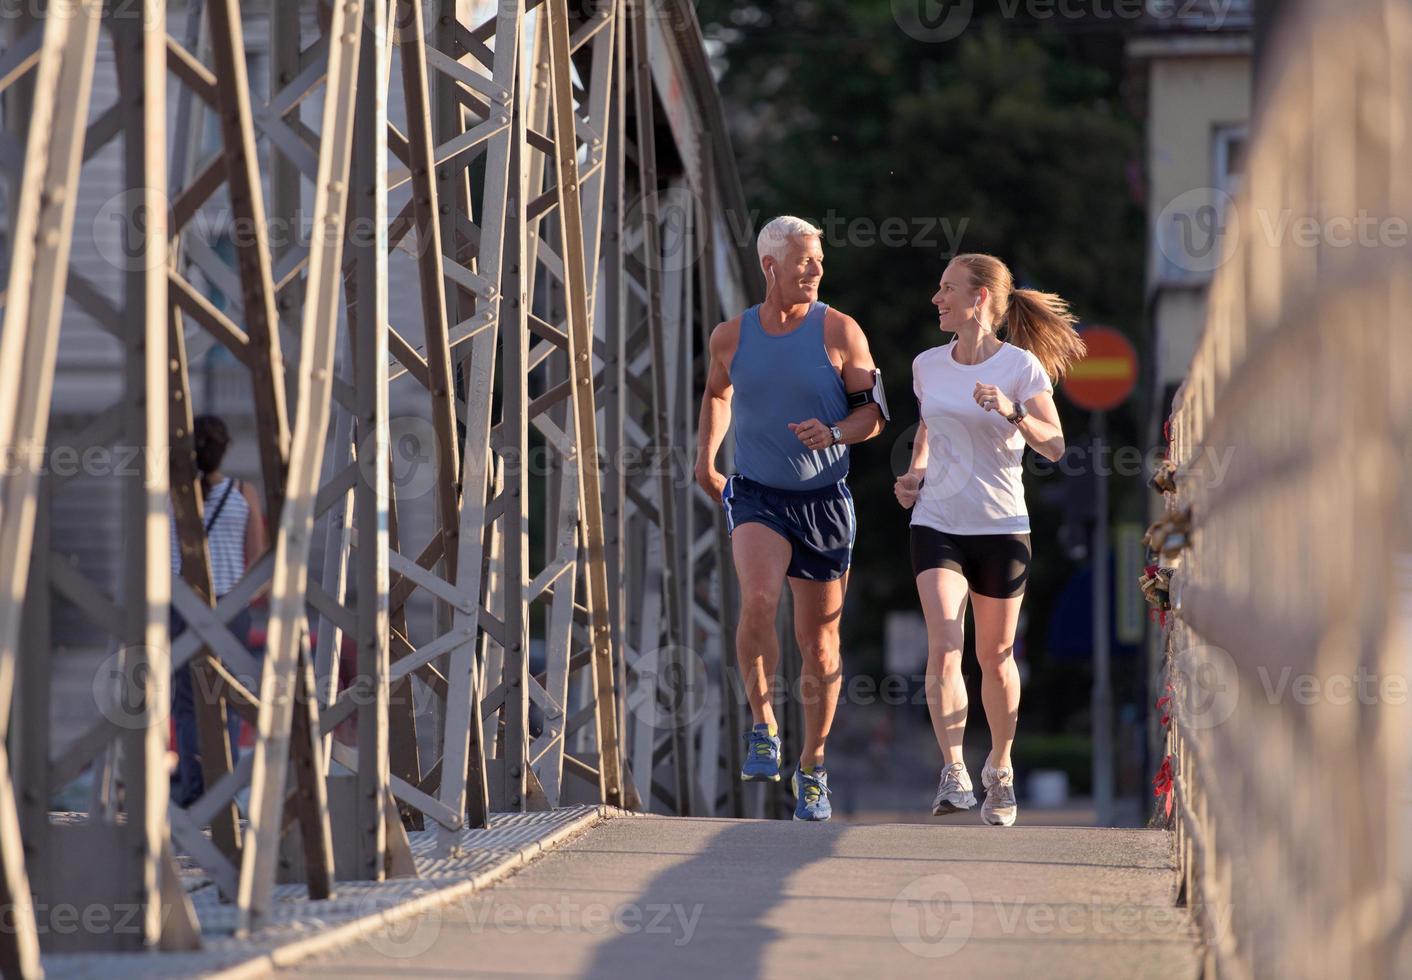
874,395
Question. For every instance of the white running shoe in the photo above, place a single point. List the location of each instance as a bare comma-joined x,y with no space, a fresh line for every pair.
954,792
999,806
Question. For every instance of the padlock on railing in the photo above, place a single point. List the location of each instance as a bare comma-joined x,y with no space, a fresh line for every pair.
1155,584
1169,534
1164,478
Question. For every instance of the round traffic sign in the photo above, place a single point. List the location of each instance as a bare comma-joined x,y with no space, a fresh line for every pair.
1106,375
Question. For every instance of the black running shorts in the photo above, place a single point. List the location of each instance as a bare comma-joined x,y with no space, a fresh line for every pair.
995,565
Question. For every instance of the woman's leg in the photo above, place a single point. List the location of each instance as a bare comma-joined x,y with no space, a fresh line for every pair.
996,620
943,594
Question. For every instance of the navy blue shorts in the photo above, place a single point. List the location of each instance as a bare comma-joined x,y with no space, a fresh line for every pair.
819,524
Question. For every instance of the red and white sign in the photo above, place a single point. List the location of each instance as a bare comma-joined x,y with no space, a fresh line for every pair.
1105,377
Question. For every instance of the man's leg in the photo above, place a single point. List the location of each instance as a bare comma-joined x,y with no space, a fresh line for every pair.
761,557
818,609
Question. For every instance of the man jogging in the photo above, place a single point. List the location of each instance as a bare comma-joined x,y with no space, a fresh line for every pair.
804,388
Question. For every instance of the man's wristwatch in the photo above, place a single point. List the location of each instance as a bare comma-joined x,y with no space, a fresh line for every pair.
1018,415
837,434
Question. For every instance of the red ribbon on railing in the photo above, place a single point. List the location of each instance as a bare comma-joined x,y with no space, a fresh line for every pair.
1162,702
1162,784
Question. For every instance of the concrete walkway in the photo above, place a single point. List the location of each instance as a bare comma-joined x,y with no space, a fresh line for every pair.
670,897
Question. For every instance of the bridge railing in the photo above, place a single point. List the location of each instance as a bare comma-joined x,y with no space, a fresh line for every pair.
1288,533
463,256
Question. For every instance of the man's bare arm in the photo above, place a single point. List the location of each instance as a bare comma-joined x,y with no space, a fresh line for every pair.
865,421
715,417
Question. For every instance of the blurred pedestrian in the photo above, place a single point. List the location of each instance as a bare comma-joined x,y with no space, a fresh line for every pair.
235,536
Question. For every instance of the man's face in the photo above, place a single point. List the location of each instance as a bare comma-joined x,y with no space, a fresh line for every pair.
796,277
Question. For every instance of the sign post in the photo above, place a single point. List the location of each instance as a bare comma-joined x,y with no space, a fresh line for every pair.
1100,382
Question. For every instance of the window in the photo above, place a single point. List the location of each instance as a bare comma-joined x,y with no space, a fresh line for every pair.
1228,157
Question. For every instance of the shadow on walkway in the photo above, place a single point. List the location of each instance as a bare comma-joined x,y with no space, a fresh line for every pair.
711,911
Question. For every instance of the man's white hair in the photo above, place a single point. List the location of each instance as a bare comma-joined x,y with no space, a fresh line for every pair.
774,237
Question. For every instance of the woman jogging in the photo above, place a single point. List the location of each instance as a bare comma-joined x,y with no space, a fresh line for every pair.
982,400
235,536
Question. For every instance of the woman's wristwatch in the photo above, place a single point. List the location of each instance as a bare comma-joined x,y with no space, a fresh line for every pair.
1018,415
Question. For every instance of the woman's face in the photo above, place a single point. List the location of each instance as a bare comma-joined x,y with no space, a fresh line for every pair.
956,301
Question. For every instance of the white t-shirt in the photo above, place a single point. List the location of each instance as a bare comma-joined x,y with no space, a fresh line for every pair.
973,483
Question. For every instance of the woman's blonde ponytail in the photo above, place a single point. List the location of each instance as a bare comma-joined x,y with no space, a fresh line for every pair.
1042,324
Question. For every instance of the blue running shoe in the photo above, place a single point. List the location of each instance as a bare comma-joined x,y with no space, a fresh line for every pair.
812,792
762,756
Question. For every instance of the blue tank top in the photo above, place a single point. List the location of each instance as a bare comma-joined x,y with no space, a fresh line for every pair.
783,378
